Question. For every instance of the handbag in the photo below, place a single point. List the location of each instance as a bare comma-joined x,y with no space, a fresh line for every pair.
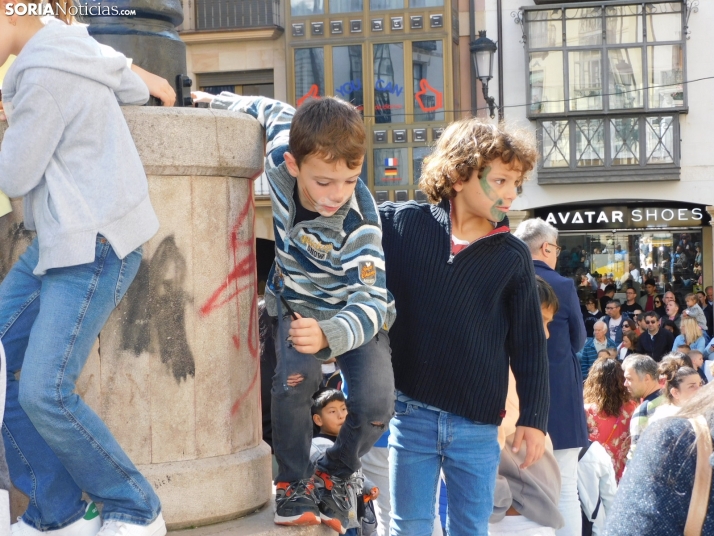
699,503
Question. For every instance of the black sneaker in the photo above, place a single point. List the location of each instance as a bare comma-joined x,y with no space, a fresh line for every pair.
335,503
296,504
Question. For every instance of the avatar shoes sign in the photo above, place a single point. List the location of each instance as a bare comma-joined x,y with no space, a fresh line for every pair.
577,218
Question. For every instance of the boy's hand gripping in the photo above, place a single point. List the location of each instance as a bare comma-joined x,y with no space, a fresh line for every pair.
306,335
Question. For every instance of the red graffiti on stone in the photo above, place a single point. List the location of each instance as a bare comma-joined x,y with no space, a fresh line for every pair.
241,279
313,93
425,89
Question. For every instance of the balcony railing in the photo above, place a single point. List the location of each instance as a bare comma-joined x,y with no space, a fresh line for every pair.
232,14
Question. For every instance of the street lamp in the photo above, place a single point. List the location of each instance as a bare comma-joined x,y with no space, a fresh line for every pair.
482,51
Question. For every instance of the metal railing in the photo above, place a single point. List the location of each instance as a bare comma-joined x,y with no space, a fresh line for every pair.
231,14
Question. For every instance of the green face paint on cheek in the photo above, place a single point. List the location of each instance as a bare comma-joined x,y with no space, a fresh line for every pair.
496,214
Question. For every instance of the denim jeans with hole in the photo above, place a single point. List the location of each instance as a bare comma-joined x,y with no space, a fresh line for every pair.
367,371
423,442
56,445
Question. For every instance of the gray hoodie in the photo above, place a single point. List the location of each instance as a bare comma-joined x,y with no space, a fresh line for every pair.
68,149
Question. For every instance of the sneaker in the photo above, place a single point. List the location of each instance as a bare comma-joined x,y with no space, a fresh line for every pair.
112,527
335,503
296,504
88,525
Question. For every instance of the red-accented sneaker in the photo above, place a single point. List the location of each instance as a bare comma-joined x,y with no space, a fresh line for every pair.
335,501
296,503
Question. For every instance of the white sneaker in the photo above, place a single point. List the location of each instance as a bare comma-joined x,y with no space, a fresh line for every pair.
112,527
88,525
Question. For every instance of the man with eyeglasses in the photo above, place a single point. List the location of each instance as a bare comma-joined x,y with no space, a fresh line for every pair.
630,305
613,320
656,342
567,424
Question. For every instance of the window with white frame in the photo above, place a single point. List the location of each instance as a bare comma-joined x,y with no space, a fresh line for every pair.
606,85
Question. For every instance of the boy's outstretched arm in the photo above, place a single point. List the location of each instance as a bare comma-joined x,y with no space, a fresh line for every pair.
274,116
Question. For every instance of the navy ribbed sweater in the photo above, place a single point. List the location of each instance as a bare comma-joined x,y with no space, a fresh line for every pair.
459,320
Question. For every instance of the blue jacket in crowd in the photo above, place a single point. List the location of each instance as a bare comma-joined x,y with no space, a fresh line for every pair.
566,419
588,354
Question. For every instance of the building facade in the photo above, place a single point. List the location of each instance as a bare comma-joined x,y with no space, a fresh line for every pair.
617,94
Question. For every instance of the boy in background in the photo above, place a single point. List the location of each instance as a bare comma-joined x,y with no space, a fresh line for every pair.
329,275
329,412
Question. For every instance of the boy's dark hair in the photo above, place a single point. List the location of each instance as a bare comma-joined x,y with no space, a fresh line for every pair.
610,288
546,294
651,282
328,128
322,398
471,145
650,314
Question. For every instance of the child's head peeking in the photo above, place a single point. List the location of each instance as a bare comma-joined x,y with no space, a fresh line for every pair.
329,411
327,146
482,163
548,303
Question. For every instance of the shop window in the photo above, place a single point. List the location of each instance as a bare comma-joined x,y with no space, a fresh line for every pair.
418,156
346,6
389,95
425,3
299,8
379,5
309,73
347,74
672,258
428,75
391,167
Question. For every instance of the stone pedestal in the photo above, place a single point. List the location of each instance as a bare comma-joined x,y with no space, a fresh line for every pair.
175,373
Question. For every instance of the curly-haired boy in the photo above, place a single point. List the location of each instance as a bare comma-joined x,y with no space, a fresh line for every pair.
468,306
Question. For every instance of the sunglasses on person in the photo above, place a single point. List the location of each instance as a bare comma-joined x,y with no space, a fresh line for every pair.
650,322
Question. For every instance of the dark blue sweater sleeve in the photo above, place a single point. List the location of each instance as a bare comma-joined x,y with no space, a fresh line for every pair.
527,348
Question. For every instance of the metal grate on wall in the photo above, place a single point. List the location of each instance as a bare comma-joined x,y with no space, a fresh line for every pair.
231,14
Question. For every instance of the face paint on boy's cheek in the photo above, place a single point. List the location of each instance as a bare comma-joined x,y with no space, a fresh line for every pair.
496,214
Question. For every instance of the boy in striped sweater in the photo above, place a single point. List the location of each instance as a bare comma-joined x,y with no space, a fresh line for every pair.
329,269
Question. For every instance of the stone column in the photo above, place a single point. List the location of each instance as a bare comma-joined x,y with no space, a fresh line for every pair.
175,373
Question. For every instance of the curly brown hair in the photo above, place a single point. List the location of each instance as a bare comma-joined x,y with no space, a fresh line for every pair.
605,387
470,145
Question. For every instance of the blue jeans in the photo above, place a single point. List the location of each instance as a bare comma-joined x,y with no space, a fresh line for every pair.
423,442
56,445
368,373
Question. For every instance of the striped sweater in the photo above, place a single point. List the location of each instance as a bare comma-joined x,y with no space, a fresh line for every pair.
333,266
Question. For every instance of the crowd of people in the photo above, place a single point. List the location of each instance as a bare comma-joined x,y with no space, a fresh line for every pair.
412,354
